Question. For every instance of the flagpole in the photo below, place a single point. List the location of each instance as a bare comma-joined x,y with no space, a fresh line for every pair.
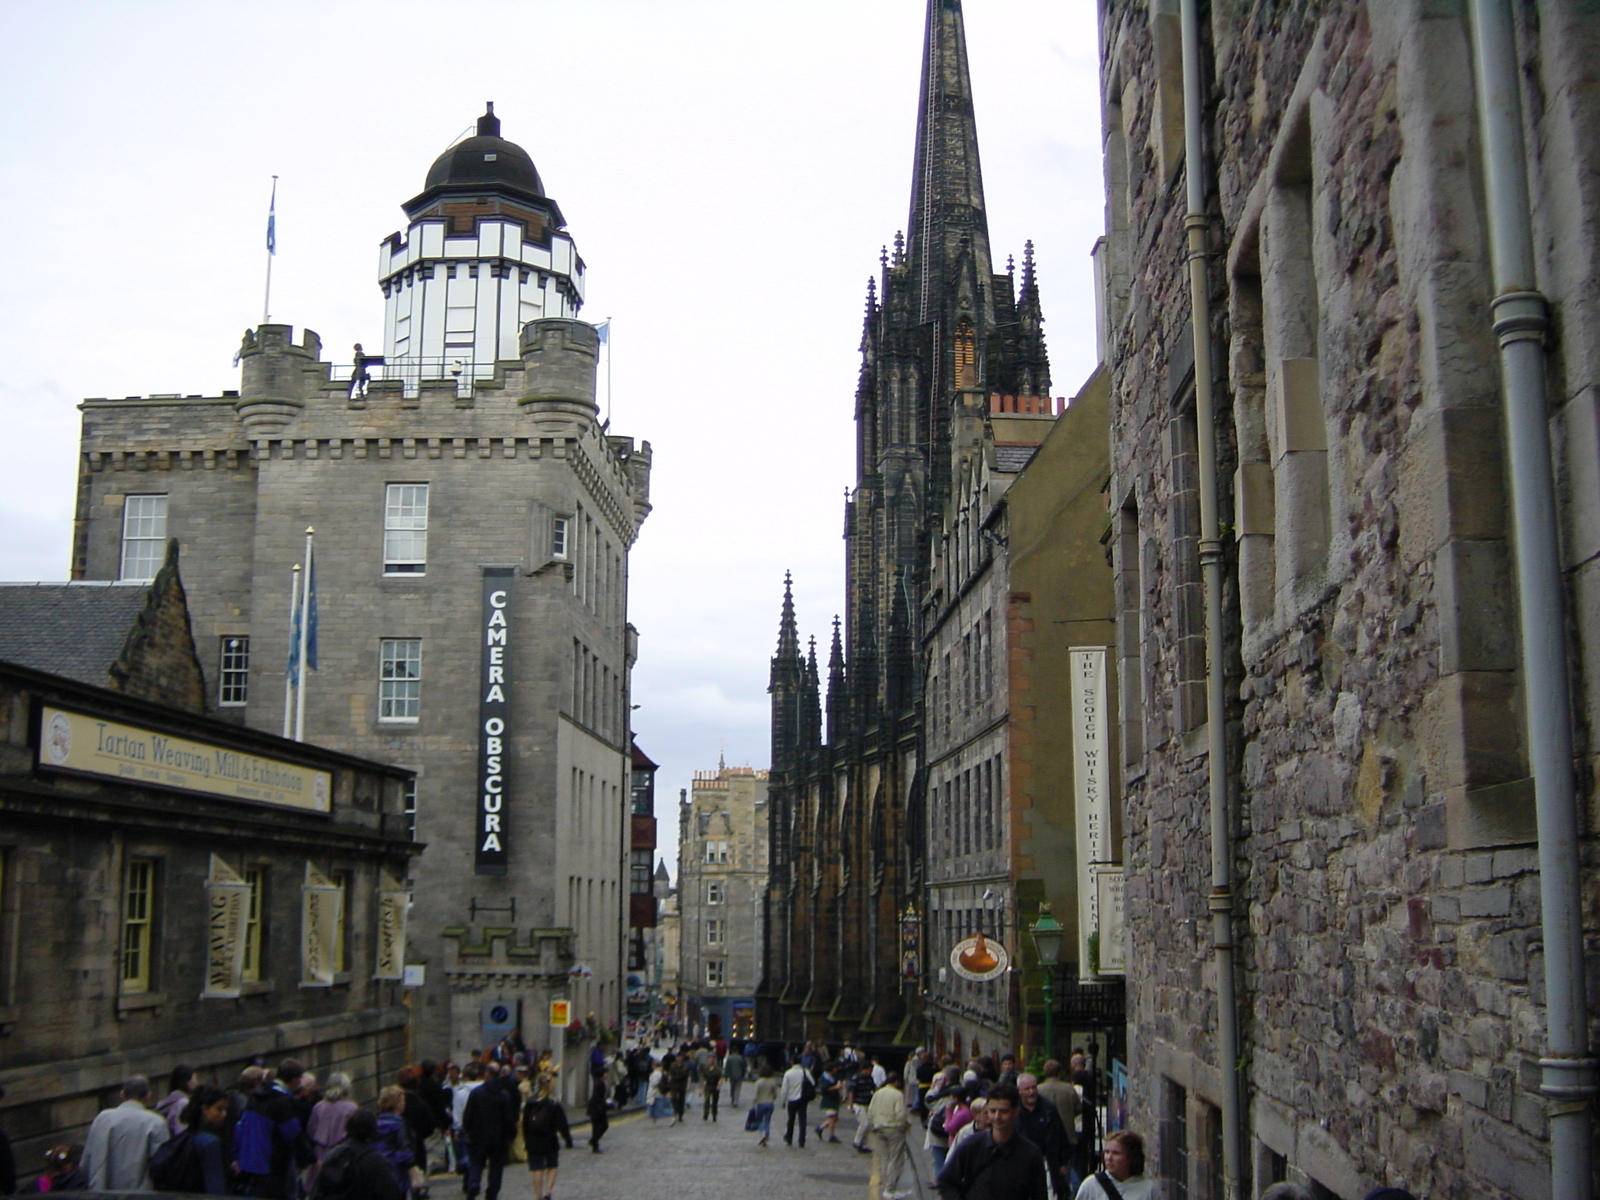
608,368
305,638
272,250
288,675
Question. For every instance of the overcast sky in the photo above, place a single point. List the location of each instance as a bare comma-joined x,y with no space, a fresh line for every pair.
728,169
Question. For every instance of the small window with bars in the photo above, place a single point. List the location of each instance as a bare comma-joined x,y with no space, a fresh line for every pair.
233,680
405,529
400,679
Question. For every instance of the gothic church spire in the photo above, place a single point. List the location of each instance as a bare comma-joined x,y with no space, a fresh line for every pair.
947,210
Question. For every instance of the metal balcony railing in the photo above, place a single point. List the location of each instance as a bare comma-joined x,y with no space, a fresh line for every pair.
411,372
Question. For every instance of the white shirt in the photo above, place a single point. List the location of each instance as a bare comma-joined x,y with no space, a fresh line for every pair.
458,1099
792,1085
878,1075
116,1154
1134,1187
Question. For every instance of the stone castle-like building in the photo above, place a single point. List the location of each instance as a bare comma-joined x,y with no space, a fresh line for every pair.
944,332
473,522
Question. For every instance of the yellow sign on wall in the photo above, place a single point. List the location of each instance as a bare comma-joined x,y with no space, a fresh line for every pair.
70,741
560,1014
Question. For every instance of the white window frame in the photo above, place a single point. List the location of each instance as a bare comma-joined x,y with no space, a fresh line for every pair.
714,892
233,672
716,854
399,694
716,972
144,536
715,933
405,529
559,532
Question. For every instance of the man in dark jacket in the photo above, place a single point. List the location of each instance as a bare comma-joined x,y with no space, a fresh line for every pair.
1040,1122
488,1127
356,1169
997,1164
267,1143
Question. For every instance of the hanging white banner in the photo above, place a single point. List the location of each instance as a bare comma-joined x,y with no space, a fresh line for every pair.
227,904
1091,786
321,919
392,905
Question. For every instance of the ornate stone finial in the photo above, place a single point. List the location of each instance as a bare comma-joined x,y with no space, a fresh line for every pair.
883,256
1011,264
899,247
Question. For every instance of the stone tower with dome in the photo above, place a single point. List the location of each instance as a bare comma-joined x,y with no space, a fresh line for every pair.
473,524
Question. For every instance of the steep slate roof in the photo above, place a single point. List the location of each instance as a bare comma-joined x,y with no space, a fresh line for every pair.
72,629
1011,457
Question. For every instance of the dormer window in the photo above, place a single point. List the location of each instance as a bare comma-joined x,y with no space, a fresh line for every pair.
490,157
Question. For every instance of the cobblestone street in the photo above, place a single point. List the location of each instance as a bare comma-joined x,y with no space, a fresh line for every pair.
703,1159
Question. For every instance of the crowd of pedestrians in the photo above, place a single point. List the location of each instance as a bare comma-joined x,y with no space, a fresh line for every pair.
280,1134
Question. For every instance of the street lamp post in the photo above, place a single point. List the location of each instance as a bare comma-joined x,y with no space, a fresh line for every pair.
1047,936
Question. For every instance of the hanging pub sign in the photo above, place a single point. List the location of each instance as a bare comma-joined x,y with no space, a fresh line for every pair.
910,945
494,720
979,959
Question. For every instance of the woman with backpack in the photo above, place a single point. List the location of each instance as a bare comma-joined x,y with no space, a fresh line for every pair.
193,1161
544,1124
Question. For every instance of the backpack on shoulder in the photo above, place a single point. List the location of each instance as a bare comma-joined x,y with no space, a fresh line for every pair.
175,1165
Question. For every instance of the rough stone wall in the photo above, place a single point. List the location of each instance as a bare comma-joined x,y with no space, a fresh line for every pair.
1390,967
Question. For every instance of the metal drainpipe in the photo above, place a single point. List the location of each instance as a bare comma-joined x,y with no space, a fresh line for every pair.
1520,320
1221,900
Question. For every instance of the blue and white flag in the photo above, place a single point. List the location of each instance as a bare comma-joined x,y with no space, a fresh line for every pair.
304,624
272,219
604,330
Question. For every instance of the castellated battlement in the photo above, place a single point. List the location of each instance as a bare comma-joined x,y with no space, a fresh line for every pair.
278,377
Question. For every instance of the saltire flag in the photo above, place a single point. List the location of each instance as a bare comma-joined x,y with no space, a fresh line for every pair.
272,219
604,330
304,625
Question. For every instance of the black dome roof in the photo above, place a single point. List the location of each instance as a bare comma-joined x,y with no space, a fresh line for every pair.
486,161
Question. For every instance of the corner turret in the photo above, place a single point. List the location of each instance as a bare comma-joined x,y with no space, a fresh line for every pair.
277,377
560,356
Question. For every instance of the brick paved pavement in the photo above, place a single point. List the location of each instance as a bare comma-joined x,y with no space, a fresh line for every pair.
701,1160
